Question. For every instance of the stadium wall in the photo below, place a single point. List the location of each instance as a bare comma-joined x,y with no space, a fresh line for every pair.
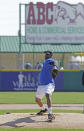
28,80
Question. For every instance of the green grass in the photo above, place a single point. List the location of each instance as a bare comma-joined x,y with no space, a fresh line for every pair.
29,98
36,110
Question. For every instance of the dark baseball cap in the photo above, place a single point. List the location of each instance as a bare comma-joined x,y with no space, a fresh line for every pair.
48,52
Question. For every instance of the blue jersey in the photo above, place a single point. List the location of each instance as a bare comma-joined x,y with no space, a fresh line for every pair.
45,74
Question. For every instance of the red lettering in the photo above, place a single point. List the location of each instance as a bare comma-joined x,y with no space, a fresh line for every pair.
31,17
49,6
41,13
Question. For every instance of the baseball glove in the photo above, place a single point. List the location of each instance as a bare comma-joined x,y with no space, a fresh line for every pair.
83,79
54,73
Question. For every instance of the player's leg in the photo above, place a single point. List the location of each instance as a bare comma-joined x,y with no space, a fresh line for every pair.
48,92
49,103
39,95
39,101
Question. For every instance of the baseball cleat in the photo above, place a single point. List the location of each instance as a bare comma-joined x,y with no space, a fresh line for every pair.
51,117
42,112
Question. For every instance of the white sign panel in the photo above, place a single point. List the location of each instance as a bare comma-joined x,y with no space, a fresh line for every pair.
49,23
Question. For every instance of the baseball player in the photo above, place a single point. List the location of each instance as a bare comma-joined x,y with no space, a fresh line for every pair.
47,84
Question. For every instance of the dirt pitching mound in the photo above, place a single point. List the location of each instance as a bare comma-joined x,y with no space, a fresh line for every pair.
26,120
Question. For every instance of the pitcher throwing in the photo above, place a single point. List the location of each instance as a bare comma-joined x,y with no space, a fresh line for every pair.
47,85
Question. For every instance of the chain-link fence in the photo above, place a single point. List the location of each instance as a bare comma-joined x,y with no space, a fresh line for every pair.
14,61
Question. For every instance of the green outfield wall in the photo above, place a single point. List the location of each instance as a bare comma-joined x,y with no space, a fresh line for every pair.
73,81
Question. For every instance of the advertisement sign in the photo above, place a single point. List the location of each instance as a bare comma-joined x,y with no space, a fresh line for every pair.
19,81
49,23
25,81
